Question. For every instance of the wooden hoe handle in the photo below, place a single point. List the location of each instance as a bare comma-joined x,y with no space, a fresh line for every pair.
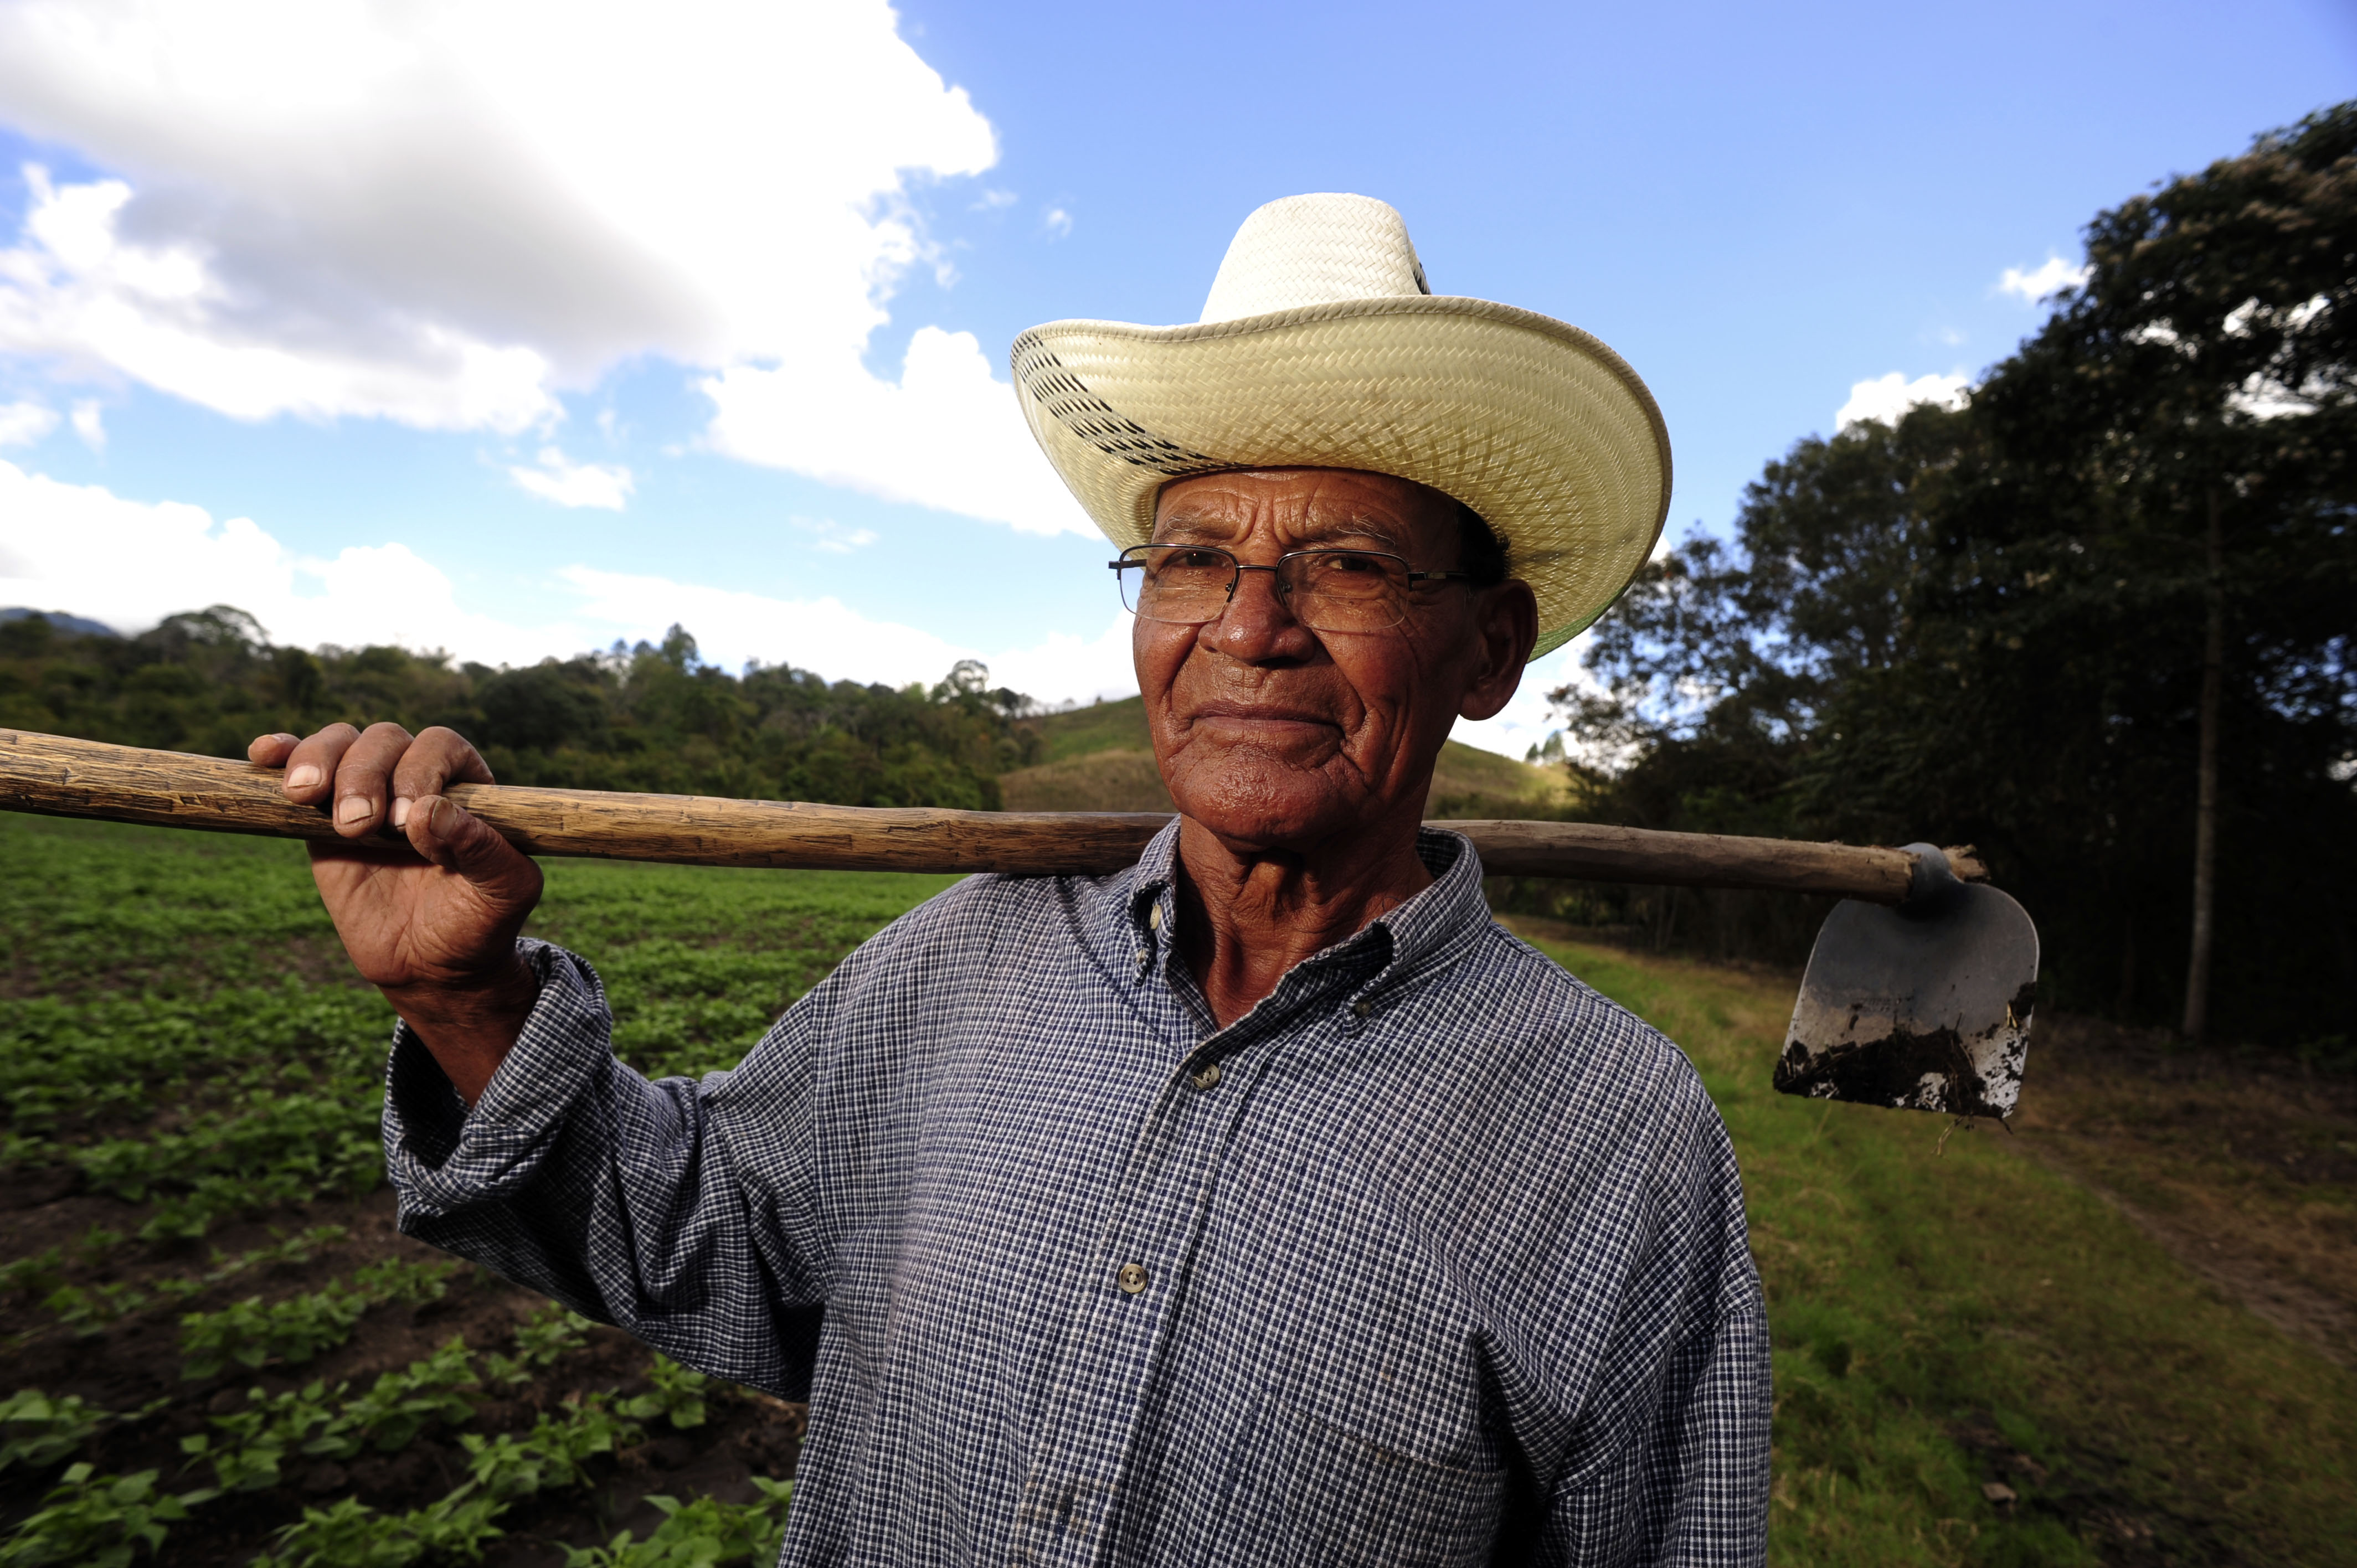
59,777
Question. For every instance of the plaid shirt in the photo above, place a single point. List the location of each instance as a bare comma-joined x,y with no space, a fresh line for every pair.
1437,1257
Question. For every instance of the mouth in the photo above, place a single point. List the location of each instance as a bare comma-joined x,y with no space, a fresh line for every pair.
1264,722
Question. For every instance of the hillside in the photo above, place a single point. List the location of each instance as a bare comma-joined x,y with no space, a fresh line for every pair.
1101,759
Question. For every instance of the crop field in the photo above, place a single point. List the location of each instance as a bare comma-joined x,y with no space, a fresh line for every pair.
215,1350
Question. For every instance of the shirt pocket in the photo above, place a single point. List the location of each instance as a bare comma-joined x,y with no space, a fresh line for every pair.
1313,1496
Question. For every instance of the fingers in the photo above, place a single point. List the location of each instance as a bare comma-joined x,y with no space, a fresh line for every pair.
438,757
311,765
272,750
460,841
364,778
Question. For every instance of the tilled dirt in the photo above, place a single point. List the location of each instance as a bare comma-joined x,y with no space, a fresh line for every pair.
137,1361
2244,1167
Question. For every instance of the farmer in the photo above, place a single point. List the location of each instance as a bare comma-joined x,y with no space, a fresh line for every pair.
1263,1203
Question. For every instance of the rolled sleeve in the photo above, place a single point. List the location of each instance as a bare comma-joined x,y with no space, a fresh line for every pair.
441,1156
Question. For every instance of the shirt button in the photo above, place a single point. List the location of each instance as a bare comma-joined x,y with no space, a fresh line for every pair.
1145,960
1207,1079
1133,1278
1154,917
1362,1009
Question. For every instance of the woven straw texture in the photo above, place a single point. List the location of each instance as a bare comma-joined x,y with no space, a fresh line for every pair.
1531,422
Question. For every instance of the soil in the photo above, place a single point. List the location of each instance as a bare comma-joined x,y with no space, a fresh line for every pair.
2244,1166
137,1361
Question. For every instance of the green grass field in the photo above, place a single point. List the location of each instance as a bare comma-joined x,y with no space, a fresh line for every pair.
193,1208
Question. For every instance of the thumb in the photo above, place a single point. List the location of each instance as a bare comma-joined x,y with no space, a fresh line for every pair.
457,840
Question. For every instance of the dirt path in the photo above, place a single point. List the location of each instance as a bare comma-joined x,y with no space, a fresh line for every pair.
2246,1175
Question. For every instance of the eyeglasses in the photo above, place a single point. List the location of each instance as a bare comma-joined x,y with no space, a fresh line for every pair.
1325,590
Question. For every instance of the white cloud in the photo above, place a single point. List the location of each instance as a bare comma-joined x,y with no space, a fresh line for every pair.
130,564
833,537
84,550
24,424
1887,398
2035,285
1058,222
434,213
946,435
732,626
574,484
90,424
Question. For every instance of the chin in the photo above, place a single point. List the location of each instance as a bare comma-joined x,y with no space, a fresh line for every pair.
1268,804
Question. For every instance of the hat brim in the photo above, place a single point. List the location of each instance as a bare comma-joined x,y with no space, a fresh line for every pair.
1531,421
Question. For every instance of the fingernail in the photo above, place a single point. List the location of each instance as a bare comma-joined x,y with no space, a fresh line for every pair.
304,778
401,812
352,808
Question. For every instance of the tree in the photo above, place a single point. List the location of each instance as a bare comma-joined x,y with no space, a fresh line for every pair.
2099,622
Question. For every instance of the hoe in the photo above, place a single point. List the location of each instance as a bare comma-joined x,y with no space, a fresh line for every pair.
1918,993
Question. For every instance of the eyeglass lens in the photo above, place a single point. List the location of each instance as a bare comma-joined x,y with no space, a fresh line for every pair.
1326,590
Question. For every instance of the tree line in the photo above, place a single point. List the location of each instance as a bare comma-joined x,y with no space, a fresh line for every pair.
2098,621
651,717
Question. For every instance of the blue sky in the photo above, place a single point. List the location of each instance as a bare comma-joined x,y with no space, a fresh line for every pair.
452,326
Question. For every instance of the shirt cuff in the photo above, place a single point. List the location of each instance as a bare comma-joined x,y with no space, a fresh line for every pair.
443,1157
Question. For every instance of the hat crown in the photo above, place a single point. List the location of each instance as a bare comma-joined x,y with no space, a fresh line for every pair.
1315,250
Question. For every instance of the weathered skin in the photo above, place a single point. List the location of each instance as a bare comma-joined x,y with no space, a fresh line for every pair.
1298,759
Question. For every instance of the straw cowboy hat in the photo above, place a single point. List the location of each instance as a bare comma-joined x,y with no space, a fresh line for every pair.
1322,346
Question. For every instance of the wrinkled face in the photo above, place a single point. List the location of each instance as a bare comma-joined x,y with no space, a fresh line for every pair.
1272,735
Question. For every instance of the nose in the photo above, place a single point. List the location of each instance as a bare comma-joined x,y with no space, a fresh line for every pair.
1257,626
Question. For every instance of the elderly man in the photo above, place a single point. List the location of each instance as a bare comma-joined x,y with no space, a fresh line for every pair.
1263,1203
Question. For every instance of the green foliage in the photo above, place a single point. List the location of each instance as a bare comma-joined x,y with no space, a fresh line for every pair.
553,1455
646,718
541,1340
705,1533
248,1333
39,1431
1989,625
677,1396
93,1309
36,1275
392,1413
97,1520
347,1533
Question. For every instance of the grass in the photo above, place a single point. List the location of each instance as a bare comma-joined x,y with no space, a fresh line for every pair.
1949,1314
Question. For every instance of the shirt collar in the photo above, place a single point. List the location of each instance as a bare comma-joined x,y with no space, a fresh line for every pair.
1428,931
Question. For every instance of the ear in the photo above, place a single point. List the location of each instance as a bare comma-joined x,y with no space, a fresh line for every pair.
1505,629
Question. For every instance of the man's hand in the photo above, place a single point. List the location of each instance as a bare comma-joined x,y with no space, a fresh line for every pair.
429,911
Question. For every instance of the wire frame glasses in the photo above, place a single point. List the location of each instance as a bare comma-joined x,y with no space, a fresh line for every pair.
1325,590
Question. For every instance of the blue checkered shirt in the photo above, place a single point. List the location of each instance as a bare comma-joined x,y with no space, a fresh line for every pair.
1435,1257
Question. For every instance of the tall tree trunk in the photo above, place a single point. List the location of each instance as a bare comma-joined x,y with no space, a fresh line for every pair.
2205,806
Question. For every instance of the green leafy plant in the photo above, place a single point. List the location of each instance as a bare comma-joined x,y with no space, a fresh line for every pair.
34,1276
93,1309
678,1395
259,1437
97,1520
347,1533
403,1403
705,1533
554,1453
548,1334
249,1334
40,1430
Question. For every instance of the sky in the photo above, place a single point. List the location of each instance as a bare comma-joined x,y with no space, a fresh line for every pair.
514,330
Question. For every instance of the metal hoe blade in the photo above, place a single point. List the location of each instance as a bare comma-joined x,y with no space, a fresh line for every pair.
1922,1006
